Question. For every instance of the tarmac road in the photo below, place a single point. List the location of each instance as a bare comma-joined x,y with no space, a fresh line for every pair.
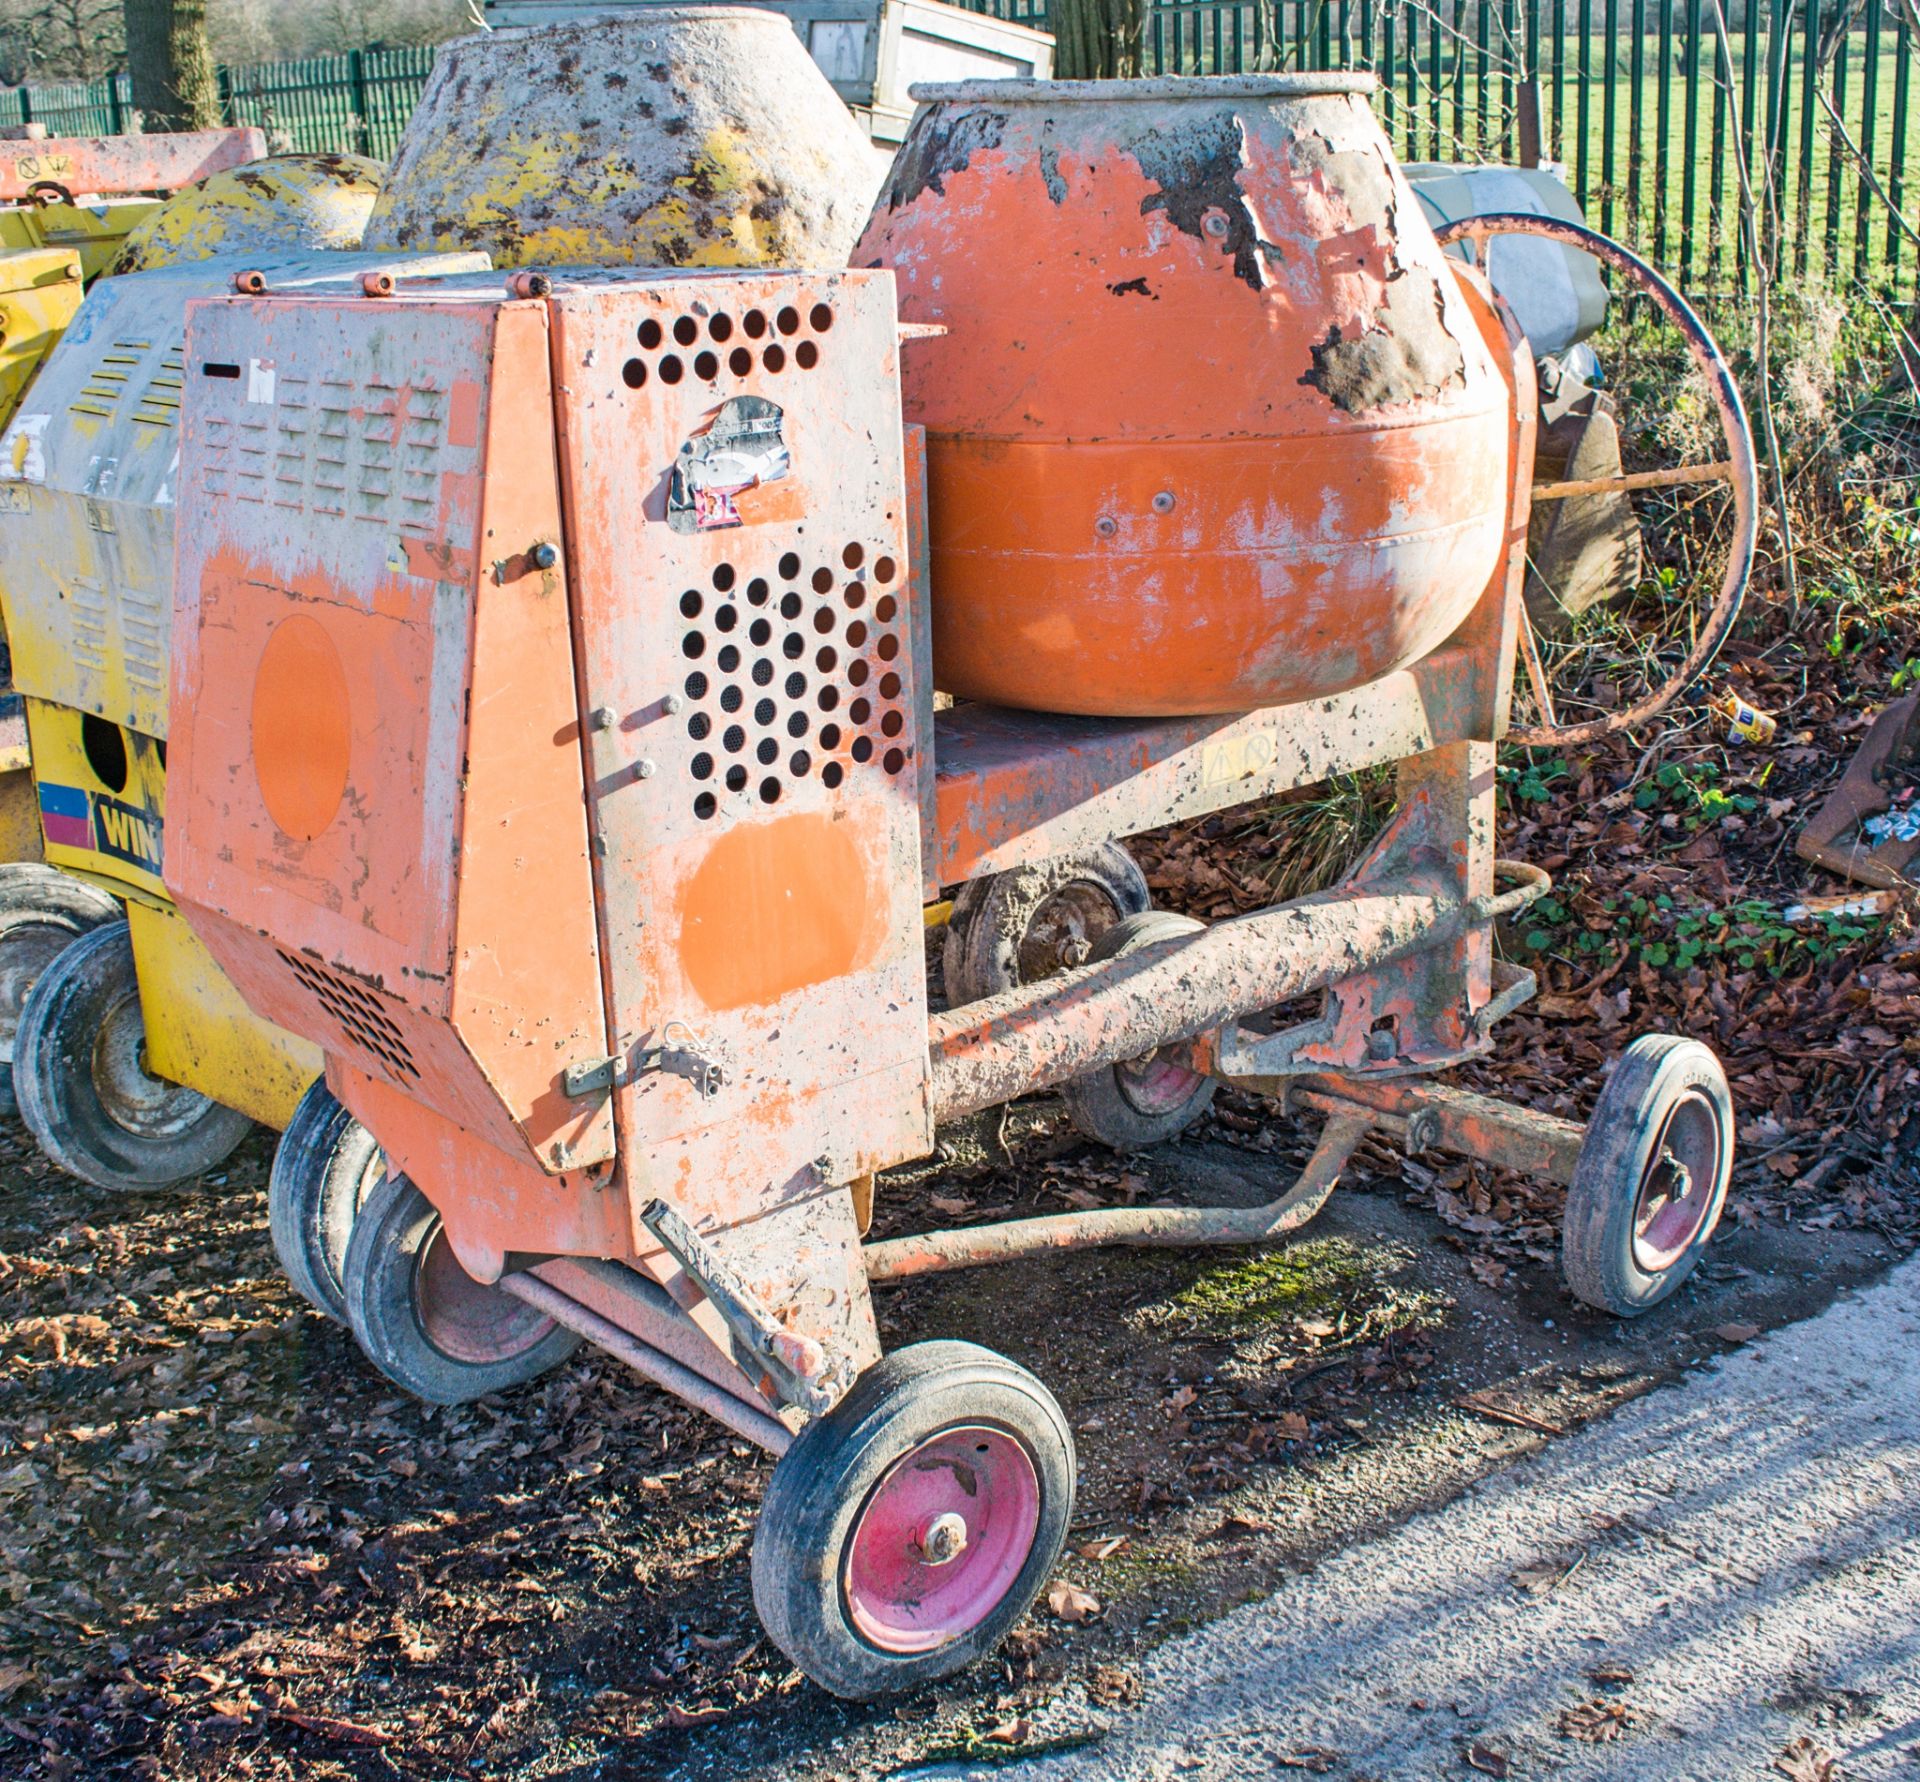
1734,1562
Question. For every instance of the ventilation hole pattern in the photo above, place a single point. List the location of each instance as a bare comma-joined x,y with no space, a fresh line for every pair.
674,348
814,690
359,1013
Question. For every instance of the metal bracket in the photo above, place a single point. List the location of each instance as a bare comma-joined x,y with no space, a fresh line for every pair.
794,1363
601,1076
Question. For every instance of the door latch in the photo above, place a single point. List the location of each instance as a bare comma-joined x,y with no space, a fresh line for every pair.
600,1076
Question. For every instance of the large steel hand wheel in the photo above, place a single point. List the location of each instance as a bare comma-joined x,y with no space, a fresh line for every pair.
42,911
1737,470
81,1077
324,1168
426,1323
1652,1176
909,1528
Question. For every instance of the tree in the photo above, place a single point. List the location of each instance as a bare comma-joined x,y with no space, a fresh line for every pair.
58,39
175,85
1098,39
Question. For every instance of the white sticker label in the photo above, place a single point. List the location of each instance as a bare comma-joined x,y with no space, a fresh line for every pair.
259,381
23,455
165,496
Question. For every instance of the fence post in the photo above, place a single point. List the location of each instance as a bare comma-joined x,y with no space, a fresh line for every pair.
362,116
116,112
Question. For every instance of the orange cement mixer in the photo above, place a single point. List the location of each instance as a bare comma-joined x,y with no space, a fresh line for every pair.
1211,425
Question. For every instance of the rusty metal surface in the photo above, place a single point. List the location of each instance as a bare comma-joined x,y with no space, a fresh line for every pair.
1016,787
107,165
753,778
1211,426
1716,625
1403,942
362,838
688,136
935,1252
759,1427
1887,760
1448,1119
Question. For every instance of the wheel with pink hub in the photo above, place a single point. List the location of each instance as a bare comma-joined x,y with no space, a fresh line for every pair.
1652,1176
1140,1101
426,1323
911,1526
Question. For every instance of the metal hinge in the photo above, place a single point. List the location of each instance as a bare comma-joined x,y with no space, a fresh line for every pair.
600,1076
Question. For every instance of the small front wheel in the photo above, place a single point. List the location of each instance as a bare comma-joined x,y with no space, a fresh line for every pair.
1652,1176
324,1168
426,1323
80,1074
1139,1101
910,1527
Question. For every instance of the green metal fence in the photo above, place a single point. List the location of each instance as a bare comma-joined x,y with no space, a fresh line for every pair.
1651,113
1649,110
352,104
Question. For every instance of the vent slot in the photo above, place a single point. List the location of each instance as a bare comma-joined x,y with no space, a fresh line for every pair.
366,1024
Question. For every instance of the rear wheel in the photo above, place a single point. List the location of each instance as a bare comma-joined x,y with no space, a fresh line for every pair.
324,1168
426,1323
1025,924
910,1527
1139,1101
1651,1180
42,911
84,1089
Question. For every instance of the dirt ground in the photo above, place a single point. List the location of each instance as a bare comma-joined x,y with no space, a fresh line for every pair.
230,1551
227,1549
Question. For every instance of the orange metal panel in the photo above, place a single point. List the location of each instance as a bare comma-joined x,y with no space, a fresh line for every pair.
755,773
106,165
386,855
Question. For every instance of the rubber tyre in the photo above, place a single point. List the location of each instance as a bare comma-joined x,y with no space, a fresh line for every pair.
1655,1076
386,1262
41,910
89,997
324,1167
1110,1106
994,916
824,1481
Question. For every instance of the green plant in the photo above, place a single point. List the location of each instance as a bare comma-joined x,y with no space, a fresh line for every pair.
1689,789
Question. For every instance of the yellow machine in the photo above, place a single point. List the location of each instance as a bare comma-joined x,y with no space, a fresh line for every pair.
86,545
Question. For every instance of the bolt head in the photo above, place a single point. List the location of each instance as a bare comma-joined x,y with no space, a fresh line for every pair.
645,769
674,705
1163,502
544,556
1215,224
1106,525
944,1538
600,718
1381,1045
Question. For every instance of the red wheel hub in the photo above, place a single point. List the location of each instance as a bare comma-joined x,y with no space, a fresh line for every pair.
941,1539
466,1319
1679,1187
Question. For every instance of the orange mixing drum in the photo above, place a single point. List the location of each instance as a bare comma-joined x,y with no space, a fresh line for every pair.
1211,426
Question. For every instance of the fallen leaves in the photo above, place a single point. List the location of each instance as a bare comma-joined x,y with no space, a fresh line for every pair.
1736,1333
328,1726
1488,1760
1072,1604
1805,1761
1596,1722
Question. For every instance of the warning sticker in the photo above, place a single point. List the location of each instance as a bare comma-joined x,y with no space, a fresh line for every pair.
739,449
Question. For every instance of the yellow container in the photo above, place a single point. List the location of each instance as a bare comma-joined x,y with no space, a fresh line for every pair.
40,292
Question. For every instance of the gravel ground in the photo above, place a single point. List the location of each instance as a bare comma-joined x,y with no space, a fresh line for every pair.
1721,1581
